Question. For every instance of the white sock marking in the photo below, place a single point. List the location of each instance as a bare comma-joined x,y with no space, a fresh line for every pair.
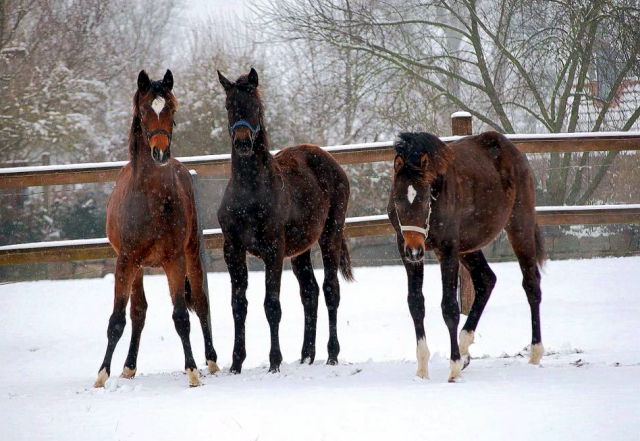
456,370
158,105
423,355
411,194
537,351
466,340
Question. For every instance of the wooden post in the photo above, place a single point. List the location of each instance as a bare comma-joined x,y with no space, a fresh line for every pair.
203,256
461,125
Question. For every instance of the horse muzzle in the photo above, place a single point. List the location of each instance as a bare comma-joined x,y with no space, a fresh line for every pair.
414,255
160,156
243,146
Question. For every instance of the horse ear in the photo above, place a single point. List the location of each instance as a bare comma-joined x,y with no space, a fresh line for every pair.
398,163
225,83
143,81
424,161
168,80
253,77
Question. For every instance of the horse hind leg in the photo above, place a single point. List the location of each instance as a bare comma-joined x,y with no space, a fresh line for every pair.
176,273
330,242
309,291
138,314
484,281
194,289
523,241
125,273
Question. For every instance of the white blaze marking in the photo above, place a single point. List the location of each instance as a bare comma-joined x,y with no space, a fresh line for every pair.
411,194
158,105
423,355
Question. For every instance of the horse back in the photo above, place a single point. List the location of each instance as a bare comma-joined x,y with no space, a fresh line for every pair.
481,186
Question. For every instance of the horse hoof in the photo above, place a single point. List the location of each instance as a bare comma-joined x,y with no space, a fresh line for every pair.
128,373
274,369
332,361
456,369
422,373
213,367
194,381
103,376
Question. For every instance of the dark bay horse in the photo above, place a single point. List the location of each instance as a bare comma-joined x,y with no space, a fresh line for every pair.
454,199
276,207
151,221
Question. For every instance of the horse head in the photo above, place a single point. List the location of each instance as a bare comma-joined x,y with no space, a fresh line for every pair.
244,110
154,107
420,159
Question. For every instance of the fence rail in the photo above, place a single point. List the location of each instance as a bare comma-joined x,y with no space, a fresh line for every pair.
93,249
351,154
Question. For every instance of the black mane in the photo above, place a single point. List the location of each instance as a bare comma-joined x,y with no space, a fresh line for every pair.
412,146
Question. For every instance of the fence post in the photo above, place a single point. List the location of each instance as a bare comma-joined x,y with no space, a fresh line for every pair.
461,125
203,257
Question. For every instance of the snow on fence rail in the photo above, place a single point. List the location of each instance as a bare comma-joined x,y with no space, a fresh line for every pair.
344,154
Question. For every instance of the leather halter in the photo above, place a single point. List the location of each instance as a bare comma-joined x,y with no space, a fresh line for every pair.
152,133
424,231
243,123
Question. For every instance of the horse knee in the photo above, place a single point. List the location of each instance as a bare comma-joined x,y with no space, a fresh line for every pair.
272,309
416,306
331,290
181,319
117,323
450,311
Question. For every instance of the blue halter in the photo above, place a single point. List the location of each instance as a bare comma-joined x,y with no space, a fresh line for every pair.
244,123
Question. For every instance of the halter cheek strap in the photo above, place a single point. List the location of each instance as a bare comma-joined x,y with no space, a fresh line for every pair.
243,123
424,231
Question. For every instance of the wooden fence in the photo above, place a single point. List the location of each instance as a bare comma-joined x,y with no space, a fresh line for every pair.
352,154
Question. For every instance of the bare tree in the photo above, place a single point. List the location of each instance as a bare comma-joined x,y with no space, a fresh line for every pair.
516,65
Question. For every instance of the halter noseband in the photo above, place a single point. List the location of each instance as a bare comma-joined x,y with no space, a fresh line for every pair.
242,122
152,133
424,231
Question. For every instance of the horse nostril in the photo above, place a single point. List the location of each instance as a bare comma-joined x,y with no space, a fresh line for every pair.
420,254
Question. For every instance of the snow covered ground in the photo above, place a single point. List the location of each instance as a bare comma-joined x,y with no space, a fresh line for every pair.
53,337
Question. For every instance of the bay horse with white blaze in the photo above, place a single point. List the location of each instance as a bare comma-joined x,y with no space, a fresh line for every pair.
278,206
454,199
152,221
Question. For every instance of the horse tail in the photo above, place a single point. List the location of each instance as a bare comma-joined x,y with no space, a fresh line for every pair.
541,254
345,262
187,294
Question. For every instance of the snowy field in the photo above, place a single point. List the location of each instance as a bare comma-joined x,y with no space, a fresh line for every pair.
53,337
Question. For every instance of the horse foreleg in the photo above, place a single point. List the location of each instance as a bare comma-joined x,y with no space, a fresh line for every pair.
449,268
273,265
236,260
309,290
415,300
176,272
201,305
125,272
483,282
138,314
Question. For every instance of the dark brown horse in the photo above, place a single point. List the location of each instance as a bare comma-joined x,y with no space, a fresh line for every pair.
151,221
276,207
454,199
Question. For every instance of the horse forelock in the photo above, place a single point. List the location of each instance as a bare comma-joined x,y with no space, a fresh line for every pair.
413,146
